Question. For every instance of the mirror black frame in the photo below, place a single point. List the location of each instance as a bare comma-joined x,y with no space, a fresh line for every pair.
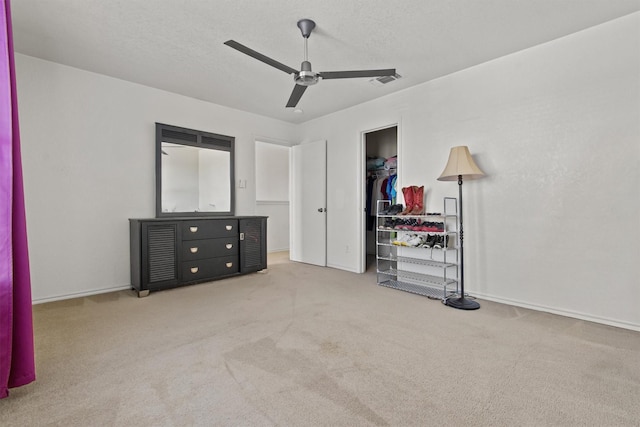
194,138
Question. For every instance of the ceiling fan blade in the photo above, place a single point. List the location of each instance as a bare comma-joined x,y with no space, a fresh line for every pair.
260,57
354,74
298,90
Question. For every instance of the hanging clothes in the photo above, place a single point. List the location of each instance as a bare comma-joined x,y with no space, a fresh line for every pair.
383,189
380,186
391,188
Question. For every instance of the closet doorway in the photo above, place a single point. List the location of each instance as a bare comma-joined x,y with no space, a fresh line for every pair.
380,182
272,161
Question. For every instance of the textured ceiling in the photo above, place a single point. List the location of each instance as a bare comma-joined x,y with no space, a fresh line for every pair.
177,45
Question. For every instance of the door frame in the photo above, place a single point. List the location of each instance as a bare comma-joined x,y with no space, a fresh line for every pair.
362,192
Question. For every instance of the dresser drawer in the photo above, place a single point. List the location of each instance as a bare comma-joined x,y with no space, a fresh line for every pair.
207,229
209,268
209,248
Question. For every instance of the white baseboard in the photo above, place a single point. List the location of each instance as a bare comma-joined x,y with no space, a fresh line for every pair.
561,312
80,294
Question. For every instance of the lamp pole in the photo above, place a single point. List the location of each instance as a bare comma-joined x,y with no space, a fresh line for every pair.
459,165
461,302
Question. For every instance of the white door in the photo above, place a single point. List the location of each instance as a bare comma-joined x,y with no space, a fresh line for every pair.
308,203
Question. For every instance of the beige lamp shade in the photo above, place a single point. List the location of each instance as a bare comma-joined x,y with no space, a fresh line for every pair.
460,163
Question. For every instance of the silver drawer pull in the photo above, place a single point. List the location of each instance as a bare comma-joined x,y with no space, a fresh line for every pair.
193,229
194,250
228,227
229,264
194,270
229,245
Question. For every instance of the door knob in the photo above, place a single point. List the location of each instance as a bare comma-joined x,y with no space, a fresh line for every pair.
322,210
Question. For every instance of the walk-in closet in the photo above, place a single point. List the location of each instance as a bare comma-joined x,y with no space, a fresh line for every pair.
381,148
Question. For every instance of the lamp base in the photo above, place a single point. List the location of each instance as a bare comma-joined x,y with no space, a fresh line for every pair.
462,303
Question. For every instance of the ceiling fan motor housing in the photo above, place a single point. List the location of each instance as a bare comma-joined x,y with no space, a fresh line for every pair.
306,77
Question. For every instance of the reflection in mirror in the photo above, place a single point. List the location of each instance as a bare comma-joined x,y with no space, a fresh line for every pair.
195,179
194,172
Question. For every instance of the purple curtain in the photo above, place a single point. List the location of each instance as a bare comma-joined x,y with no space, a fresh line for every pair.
17,365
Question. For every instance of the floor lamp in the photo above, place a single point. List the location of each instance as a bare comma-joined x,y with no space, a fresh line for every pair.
461,165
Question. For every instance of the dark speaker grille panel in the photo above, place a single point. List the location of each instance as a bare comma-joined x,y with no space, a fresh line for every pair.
162,253
252,249
168,133
216,141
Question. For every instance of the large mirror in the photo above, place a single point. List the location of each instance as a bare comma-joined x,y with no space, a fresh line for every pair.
194,172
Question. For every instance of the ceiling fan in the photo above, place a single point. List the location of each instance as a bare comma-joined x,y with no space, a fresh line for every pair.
305,77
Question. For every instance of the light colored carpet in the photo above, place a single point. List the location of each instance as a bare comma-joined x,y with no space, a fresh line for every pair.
302,345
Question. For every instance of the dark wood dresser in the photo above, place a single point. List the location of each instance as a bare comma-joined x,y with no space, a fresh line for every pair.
170,252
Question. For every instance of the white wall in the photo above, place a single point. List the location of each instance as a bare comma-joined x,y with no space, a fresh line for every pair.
272,172
277,224
555,224
88,144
